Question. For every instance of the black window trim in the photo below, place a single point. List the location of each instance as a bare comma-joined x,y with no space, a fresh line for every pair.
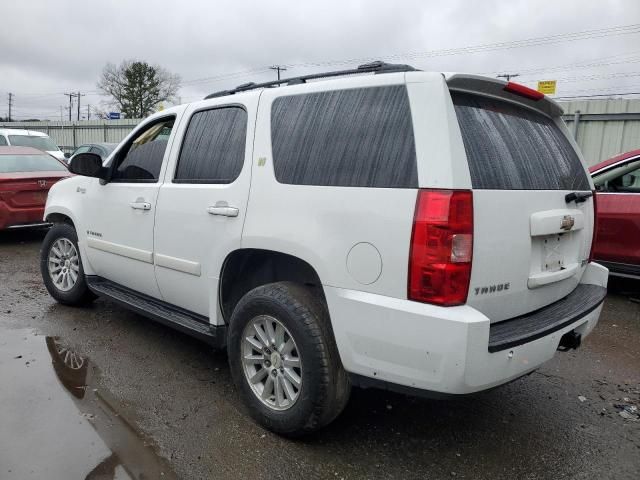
186,181
115,159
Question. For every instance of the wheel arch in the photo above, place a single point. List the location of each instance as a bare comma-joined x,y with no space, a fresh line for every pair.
248,268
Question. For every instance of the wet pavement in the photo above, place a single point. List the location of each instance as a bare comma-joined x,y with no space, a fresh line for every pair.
100,392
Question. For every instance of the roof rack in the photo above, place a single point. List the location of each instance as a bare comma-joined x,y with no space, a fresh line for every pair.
373,67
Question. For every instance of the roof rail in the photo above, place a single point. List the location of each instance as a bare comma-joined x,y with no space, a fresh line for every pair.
373,67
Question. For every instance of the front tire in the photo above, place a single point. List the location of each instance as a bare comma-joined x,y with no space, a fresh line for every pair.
284,360
61,266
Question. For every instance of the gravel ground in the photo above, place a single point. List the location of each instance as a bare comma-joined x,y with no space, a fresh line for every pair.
175,397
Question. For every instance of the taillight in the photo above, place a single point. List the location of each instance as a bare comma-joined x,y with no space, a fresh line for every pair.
441,247
595,227
523,91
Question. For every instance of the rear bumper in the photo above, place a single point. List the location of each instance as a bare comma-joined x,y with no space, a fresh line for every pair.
446,350
15,217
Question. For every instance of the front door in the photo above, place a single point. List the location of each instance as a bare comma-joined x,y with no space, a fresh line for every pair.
618,197
202,203
120,214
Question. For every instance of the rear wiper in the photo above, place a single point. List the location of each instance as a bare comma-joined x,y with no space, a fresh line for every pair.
577,197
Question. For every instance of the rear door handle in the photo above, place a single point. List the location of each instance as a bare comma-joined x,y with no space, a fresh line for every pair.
223,209
140,205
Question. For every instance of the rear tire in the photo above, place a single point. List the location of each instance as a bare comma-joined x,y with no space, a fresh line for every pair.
61,266
280,336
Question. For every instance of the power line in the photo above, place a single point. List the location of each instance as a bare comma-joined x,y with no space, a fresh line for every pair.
508,76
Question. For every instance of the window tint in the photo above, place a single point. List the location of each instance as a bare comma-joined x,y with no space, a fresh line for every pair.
141,160
360,138
514,148
213,146
3,141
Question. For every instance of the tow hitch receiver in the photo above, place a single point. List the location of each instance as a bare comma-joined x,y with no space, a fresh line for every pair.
570,340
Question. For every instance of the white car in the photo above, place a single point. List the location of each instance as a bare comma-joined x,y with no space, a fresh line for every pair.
31,138
391,228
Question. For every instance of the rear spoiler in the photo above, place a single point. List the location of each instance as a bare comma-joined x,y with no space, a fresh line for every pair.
511,92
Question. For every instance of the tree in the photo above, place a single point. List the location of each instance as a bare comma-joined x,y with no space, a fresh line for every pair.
137,87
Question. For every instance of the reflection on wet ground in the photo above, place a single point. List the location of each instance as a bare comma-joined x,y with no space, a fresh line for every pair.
56,421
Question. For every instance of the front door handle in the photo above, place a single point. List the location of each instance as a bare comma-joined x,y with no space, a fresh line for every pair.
223,209
140,205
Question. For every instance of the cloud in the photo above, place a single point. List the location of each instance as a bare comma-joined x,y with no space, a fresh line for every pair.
49,48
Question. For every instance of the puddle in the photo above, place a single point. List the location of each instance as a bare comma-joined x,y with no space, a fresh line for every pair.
57,422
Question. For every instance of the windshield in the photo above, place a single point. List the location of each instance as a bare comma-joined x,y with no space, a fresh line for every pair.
29,163
41,143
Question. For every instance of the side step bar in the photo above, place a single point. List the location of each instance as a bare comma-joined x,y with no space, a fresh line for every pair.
178,318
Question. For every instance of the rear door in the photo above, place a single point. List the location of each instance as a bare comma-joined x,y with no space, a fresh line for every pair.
531,245
203,201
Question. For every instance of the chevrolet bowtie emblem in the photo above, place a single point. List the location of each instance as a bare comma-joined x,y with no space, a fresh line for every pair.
567,222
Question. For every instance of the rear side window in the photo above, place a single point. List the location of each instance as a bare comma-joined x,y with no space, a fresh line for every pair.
3,141
514,148
213,146
356,138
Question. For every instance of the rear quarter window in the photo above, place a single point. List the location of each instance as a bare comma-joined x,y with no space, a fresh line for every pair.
513,148
358,138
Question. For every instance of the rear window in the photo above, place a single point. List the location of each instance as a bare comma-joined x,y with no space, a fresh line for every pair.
29,163
41,143
514,148
357,138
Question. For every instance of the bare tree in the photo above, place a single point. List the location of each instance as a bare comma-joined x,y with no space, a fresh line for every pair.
138,87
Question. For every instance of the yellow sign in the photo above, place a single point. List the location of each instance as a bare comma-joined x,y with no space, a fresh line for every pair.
548,87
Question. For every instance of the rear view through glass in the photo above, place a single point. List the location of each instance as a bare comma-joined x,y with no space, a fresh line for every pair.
29,163
514,148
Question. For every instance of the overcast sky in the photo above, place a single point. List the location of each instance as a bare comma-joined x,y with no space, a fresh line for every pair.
49,47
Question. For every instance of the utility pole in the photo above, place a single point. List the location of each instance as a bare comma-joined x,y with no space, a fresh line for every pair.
10,103
508,76
278,68
88,112
79,95
70,95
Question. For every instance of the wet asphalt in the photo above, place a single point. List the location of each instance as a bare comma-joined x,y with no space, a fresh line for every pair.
100,392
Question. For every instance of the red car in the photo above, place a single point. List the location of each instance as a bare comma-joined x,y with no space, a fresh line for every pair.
617,182
26,175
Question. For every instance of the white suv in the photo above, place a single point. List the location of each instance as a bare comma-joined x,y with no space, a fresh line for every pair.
31,138
382,226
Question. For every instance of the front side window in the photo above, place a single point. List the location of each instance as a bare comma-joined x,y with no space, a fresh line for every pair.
624,178
213,146
345,138
141,159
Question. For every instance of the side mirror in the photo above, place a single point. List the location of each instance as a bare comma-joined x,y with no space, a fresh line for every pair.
67,155
88,165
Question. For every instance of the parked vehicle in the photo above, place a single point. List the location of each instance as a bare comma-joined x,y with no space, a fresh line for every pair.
378,227
26,175
102,149
617,183
30,138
